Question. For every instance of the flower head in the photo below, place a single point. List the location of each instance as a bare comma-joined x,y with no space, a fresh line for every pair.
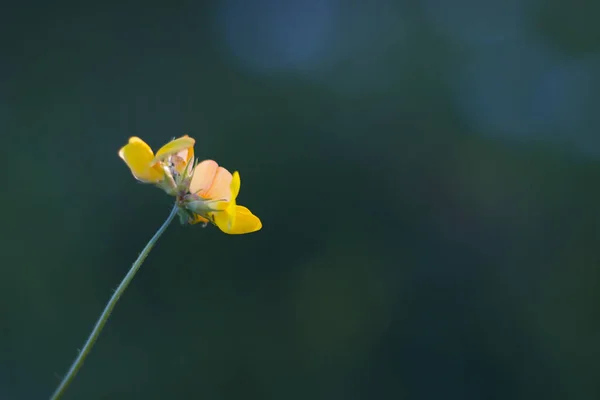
168,169
205,191
213,194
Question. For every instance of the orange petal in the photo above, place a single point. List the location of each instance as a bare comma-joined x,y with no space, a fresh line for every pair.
182,159
198,219
203,177
221,186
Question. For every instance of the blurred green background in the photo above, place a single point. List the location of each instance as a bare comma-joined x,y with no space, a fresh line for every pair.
426,173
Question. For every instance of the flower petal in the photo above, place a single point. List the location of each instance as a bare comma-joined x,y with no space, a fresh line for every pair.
138,157
211,181
238,222
245,222
174,147
189,155
181,159
234,189
198,219
223,220
221,186
203,177
235,184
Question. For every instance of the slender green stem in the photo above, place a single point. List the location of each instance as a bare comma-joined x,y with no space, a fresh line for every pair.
60,391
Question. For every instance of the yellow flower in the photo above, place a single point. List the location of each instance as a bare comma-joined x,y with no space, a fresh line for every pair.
205,192
167,169
214,191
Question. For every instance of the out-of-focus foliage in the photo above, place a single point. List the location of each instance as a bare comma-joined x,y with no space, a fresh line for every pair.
426,173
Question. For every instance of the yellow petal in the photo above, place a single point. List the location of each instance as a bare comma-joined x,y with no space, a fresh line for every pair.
174,147
245,222
227,220
230,210
138,157
235,185
239,222
222,219
189,155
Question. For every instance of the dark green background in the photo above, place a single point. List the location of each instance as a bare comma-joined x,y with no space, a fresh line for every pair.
407,252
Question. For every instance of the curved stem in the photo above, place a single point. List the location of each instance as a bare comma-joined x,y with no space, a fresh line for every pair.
87,347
